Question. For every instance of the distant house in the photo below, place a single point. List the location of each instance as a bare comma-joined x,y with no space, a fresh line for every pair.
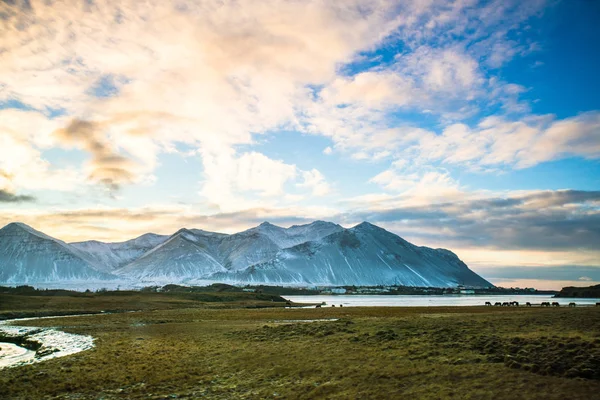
249,290
467,291
338,290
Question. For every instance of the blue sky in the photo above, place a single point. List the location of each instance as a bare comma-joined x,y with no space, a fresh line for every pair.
471,125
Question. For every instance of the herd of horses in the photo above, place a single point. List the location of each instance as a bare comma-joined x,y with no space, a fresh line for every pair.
528,304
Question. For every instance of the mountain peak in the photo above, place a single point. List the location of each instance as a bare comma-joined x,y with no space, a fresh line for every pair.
183,230
267,224
366,225
321,222
18,225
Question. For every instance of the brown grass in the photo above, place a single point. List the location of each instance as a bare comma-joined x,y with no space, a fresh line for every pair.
20,306
379,353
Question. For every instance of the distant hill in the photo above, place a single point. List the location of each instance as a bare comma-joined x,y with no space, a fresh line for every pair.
573,291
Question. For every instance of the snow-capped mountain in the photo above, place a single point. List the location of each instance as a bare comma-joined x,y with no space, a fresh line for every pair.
30,256
320,253
364,255
296,234
110,256
182,257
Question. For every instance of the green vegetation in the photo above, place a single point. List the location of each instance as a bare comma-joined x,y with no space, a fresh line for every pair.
225,353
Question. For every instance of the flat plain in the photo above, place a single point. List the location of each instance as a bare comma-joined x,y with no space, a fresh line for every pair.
194,349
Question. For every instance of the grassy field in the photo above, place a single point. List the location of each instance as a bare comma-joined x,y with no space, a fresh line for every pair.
67,303
378,353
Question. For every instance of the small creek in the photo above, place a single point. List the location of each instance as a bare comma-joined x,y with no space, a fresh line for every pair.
11,354
49,343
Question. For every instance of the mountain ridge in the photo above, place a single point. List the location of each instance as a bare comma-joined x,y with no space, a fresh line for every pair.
318,253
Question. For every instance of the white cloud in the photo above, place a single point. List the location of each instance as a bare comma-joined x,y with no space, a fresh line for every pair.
238,181
315,181
193,72
215,76
228,176
415,186
23,137
497,142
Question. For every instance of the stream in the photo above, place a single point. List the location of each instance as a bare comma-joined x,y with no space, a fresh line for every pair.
50,343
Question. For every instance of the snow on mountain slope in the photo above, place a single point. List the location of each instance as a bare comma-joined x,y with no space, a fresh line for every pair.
242,249
296,234
27,255
320,253
364,255
110,256
179,258
231,252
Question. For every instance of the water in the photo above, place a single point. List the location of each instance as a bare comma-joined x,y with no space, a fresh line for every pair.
11,354
431,301
54,343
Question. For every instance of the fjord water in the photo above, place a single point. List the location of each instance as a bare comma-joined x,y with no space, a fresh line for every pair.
432,301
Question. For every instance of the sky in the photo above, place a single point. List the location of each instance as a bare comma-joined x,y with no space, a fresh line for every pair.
469,125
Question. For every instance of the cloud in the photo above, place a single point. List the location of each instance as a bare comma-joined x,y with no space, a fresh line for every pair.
229,176
24,136
139,78
7,197
153,74
235,181
561,273
218,75
315,181
106,166
494,143
540,220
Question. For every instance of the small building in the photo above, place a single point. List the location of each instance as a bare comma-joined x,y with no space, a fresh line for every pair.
467,291
338,291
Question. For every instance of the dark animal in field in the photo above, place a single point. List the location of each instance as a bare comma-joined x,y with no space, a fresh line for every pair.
333,305
597,304
318,306
341,305
506,304
288,303
555,304
545,304
572,305
487,303
497,303
514,303
528,304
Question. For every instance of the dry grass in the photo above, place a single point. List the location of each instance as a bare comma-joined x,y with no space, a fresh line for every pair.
19,306
379,353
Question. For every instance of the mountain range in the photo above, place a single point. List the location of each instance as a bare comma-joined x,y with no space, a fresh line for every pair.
317,254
